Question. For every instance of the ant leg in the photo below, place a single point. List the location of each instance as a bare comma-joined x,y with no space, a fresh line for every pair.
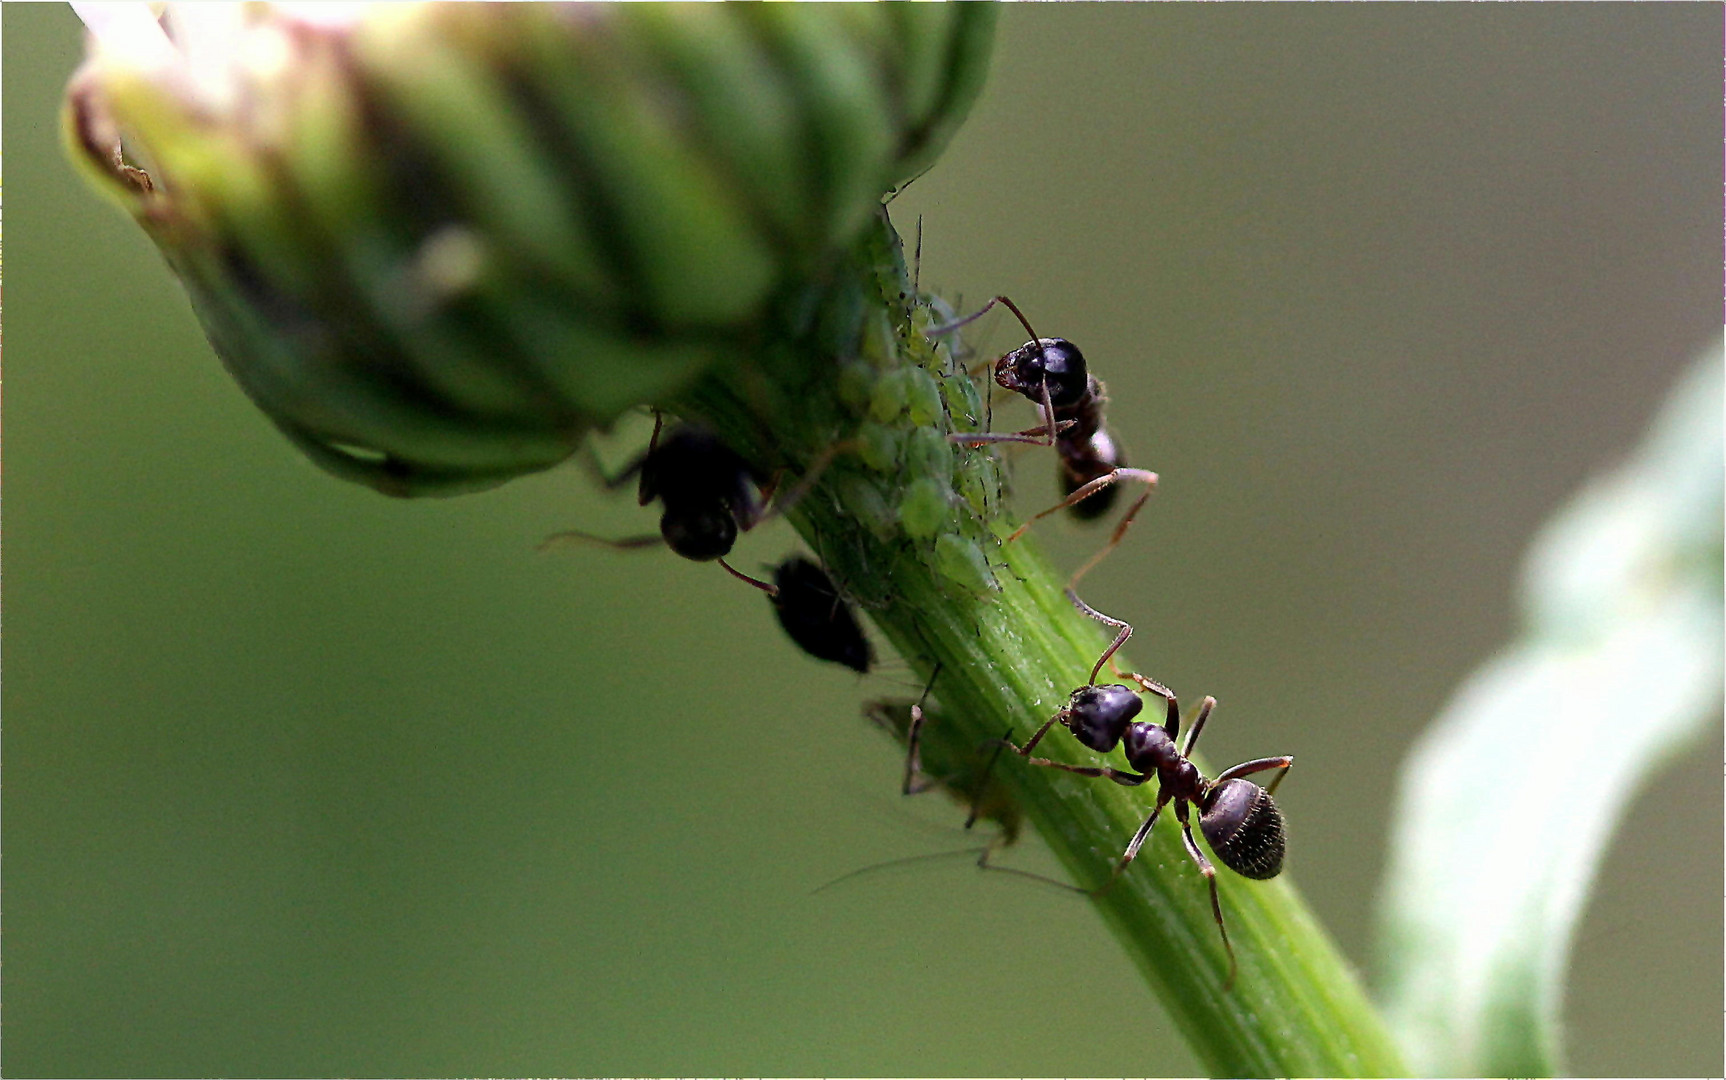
1205,708
1037,436
770,590
1172,718
1258,765
590,460
1125,631
1148,686
1085,491
652,449
626,543
1037,736
1133,845
1210,873
1119,776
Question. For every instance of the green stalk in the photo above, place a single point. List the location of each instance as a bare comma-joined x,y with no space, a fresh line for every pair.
1011,652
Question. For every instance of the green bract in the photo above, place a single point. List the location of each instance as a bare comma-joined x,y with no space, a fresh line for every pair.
438,243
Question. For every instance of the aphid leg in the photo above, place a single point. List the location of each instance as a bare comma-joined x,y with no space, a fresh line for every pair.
1085,491
766,587
1124,630
1210,873
983,781
1258,765
999,841
915,782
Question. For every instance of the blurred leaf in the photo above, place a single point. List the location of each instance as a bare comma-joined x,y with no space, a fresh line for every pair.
1509,800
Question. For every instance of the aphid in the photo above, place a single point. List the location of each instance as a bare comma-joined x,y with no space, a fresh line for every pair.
1051,373
939,758
1239,819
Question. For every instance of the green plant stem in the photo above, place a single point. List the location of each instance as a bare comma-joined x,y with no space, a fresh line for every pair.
1010,658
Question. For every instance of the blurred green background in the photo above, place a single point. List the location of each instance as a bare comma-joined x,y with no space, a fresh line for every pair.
300,780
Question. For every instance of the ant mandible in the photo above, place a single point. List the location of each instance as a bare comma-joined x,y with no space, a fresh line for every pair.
1239,819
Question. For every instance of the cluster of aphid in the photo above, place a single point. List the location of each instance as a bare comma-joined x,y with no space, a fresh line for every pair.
710,494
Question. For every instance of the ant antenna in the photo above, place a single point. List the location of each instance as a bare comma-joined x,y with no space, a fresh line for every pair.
770,590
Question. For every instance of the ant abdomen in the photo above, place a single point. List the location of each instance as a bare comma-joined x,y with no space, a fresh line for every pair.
816,617
1245,828
1094,459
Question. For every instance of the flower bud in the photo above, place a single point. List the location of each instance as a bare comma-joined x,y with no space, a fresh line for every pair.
438,243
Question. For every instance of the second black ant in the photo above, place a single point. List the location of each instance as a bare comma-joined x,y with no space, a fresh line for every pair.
1052,374
1240,820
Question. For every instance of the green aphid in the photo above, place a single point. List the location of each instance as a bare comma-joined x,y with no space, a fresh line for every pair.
923,398
926,508
962,563
856,385
928,453
880,446
980,483
865,503
890,396
879,346
964,404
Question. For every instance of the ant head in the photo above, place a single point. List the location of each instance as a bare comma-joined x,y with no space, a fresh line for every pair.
702,532
1244,827
1056,361
1098,715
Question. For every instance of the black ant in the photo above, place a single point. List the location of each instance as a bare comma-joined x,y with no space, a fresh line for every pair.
1051,374
1239,819
708,491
